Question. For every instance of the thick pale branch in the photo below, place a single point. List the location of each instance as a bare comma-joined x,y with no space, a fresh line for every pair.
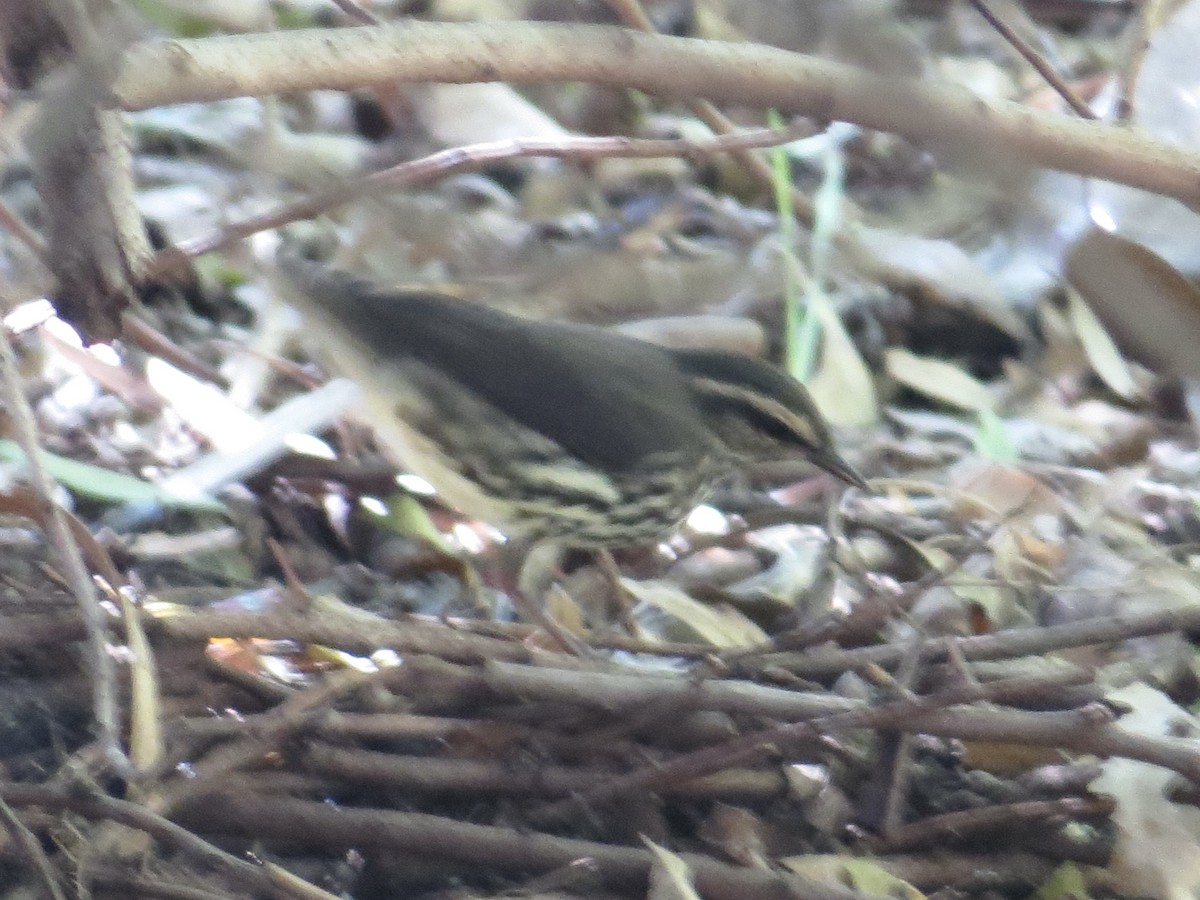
991,134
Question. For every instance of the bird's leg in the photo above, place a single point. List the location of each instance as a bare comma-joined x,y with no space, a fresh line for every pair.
622,598
540,566
543,565
538,576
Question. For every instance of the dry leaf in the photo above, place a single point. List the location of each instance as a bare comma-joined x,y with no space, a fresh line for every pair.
1008,759
996,492
670,876
1151,308
682,618
1158,842
938,379
1106,360
842,388
795,580
866,875
738,833
470,113
939,263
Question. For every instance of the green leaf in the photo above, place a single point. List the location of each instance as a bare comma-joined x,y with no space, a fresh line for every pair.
992,440
105,485
405,515
800,332
1065,883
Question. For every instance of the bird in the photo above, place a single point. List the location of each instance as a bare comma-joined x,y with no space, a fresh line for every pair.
552,431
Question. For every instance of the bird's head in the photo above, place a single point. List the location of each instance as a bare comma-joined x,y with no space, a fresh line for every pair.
759,413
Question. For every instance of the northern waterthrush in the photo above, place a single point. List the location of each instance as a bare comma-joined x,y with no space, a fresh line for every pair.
573,434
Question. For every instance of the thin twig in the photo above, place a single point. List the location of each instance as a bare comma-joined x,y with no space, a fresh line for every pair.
29,845
145,693
101,807
23,233
100,661
155,342
894,758
1149,15
438,839
634,15
750,747
472,157
275,726
153,73
1035,59
356,12
1001,645
963,824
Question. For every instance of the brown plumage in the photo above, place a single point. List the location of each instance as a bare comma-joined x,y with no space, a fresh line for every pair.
549,430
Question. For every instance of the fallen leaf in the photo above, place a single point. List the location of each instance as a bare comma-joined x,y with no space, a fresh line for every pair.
1151,308
938,379
842,387
1102,353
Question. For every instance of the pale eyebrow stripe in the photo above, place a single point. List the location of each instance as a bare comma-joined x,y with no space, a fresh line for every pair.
801,426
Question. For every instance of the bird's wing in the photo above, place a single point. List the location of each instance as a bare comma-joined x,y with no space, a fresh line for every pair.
607,399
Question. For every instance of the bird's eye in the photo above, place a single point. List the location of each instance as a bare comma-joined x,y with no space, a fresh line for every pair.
748,422
778,430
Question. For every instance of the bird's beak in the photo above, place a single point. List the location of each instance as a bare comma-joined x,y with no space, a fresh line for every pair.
828,460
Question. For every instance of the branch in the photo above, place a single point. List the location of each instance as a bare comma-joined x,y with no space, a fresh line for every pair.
988,133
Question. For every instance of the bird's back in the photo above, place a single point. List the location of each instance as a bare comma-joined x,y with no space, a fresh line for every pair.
607,399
